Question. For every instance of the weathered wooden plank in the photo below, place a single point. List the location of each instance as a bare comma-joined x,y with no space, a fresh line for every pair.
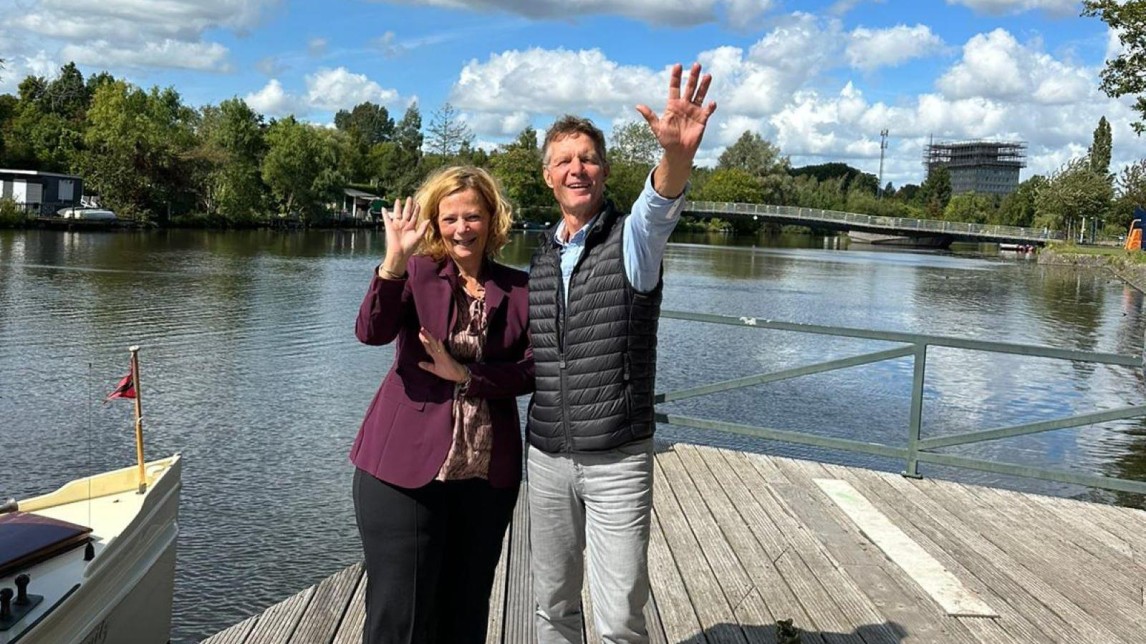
236,634
730,574
279,621
855,607
934,538
496,629
677,614
331,598
519,600
799,562
712,608
350,630
1022,598
891,590
1086,604
738,513
1067,543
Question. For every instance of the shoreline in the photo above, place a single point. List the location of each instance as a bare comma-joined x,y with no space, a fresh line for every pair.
1132,273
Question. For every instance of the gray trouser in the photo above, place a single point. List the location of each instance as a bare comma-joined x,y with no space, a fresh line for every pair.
599,500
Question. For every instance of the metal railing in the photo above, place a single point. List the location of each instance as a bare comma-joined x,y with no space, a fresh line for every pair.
918,449
873,223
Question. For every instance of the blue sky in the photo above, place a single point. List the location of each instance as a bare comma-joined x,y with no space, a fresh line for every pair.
819,79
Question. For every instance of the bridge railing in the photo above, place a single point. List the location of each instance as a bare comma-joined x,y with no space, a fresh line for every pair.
837,217
918,449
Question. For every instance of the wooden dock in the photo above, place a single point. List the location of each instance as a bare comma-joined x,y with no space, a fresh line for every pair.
849,555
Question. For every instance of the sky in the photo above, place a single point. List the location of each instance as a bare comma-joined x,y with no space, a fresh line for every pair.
820,79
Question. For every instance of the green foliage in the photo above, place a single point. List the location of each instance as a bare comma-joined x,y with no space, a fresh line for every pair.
367,123
304,168
395,167
1018,208
1124,74
762,160
635,144
735,185
137,150
632,153
1130,191
518,166
850,178
971,208
935,192
229,156
11,215
1099,152
1071,194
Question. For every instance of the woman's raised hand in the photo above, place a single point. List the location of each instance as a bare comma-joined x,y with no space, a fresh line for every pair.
404,231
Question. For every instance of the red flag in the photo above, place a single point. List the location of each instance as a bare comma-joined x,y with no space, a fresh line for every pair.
125,389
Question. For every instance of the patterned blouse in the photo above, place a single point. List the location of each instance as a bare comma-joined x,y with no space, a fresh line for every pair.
469,453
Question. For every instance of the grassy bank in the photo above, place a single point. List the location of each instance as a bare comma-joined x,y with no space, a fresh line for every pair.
1130,266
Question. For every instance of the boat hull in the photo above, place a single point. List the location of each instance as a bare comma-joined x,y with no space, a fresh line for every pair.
123,595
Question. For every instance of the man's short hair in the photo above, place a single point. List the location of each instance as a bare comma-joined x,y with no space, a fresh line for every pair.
570,125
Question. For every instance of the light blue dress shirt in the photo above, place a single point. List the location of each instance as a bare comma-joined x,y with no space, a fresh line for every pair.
647,231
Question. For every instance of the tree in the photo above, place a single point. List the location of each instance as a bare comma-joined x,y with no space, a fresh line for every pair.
1099,152
136,150
1018,208
518,166
762,160
396,165
1130,191
1123,75
734,185
448,133
230,154
367,123
1073,193
305,167
634,143
935,192
970,207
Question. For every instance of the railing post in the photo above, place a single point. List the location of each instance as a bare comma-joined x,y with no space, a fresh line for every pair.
916,422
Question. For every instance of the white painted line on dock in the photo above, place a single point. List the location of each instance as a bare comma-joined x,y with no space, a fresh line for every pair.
940,584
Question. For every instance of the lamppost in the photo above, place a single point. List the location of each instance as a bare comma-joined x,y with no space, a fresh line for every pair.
882,147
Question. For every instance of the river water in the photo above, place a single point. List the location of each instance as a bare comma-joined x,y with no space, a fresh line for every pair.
250,369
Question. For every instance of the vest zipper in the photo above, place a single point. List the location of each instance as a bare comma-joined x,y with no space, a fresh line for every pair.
563,307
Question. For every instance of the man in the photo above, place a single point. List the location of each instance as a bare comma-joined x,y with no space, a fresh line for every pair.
594,302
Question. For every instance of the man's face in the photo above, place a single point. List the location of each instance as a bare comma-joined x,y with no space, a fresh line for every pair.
577,175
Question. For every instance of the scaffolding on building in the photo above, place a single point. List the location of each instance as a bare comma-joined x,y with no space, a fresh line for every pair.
978,166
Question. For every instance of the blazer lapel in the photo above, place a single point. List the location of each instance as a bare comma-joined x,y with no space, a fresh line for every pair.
443,299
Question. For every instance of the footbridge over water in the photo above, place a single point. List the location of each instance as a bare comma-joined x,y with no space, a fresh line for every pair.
849,221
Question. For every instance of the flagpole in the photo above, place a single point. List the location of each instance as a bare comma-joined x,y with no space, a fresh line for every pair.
138,416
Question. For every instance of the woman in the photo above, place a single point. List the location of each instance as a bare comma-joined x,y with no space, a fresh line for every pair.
438,456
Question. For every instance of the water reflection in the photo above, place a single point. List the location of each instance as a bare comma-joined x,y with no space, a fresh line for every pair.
251,371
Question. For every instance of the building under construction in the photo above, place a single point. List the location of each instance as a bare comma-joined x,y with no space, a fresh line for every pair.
989,167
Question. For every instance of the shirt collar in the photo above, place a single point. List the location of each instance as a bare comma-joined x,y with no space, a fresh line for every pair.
578,237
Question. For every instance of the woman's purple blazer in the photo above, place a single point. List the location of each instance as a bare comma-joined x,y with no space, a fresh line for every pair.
409,426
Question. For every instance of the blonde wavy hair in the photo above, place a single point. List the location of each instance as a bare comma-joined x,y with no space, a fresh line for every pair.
452,179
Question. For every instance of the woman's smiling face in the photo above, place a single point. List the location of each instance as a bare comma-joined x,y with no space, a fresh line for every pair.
463,222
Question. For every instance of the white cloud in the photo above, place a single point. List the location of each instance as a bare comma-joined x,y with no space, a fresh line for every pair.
138,33
997,66
316,46
870,49
177,54
272,100
552,82
327,90
18,68
335,89
999,7
662,12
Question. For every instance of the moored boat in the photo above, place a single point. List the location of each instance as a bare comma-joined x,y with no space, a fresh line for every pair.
100,556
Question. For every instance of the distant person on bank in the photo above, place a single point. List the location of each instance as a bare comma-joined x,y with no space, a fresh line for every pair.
595,295
438,456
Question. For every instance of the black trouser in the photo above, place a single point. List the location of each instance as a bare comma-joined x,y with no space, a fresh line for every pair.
430,557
